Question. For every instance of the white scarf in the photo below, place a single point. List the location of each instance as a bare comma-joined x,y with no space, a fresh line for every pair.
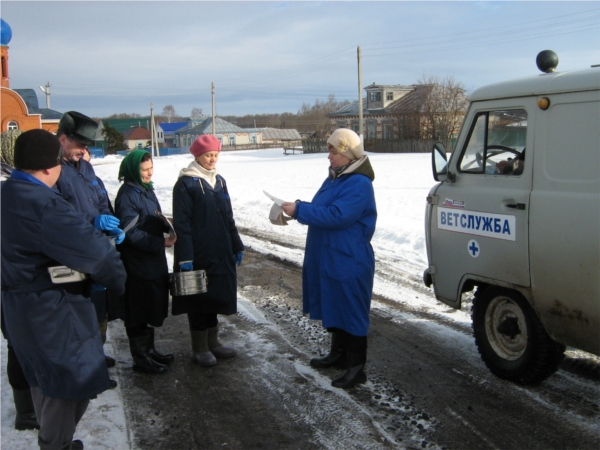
196,170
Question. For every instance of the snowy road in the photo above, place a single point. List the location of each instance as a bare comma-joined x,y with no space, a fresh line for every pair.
427,386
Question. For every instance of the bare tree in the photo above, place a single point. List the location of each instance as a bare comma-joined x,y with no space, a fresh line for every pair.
168,112
196,113
443,108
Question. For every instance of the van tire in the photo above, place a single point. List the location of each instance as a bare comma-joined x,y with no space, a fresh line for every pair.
511,339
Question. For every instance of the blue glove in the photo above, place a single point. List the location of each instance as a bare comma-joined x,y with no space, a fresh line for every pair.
106,222
95,287
186,267
118,236
238,258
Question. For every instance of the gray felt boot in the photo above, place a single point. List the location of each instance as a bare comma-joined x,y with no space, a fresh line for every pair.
202,354
216,348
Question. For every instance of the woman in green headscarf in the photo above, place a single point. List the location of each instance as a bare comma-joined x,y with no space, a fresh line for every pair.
146,298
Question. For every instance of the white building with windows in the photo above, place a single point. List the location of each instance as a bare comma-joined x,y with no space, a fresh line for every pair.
387,109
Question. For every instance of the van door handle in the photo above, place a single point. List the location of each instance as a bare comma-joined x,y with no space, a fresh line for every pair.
516,205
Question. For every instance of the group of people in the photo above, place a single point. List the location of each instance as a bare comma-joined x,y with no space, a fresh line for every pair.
56,212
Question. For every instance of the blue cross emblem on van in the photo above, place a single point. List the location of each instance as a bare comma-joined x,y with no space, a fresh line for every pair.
473,248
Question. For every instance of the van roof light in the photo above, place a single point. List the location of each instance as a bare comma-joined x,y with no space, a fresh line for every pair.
547,61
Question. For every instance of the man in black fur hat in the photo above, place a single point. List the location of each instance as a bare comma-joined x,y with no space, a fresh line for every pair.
80,187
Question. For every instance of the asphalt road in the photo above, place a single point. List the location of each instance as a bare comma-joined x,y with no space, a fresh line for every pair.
427,386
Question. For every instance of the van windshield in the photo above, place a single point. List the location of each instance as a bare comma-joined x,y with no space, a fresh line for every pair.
496,143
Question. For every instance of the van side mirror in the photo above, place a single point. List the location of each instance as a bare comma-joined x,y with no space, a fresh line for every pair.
439,163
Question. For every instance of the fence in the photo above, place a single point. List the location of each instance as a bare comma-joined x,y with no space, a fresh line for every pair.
96,152
375,146
309,146
399,146
170,151
314,145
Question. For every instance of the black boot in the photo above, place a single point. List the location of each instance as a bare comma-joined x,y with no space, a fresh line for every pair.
25,418
356,351
75,445
140,351
160,358
337,355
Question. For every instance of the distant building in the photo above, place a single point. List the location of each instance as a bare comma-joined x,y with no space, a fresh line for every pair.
285,137
137,138
228,133
20,107
169,129
386,109
122,125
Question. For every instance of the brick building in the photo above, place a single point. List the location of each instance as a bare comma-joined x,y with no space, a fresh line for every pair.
19,107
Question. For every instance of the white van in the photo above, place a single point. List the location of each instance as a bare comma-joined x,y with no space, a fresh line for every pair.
516,215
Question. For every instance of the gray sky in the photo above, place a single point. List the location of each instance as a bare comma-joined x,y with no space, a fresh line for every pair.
266,57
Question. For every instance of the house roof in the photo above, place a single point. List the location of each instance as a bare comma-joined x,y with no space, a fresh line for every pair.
276,134
136,133
388,86
410,102
205,127
170,127
50,114
33,106
121,125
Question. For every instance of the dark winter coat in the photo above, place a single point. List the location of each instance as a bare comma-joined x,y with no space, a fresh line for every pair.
111,308
206,235
339,265
79,186
146,299
53,332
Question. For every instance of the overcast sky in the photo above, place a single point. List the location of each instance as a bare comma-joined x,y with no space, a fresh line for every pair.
266,57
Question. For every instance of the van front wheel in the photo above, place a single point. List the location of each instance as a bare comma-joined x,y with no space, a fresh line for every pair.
511,339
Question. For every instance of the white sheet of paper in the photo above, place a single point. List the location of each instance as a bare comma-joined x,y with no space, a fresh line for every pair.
276,215
276,200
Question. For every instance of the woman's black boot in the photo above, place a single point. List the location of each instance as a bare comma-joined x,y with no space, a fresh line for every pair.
160,358
337,355
356,352
140,346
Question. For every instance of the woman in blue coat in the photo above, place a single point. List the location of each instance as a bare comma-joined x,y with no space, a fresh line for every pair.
339,265
207,239
146,299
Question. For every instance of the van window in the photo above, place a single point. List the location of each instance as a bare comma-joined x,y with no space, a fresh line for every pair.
496,143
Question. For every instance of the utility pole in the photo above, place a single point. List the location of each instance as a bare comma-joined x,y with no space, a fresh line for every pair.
360,103
154,138
47,92
213,108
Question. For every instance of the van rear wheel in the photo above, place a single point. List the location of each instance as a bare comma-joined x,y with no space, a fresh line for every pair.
511,339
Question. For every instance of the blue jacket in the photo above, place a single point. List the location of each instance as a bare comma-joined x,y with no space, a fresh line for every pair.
80,187
339,265
206,235
54,333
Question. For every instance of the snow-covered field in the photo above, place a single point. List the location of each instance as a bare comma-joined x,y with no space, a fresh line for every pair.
402,182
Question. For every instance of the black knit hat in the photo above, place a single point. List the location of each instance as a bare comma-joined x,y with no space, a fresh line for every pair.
37,150
78,127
